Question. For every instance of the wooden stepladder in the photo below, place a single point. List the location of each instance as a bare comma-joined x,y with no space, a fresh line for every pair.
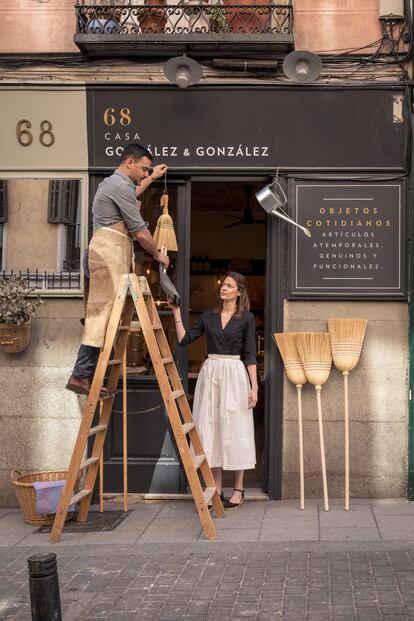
134,294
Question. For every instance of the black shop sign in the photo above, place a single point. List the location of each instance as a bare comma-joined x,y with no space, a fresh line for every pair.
358,243
250,128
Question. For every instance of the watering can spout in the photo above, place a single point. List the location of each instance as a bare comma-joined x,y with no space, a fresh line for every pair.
272,202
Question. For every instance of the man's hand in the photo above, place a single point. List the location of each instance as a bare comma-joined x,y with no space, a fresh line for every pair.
163,259
159,171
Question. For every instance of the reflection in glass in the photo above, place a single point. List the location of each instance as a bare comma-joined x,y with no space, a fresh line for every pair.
41,224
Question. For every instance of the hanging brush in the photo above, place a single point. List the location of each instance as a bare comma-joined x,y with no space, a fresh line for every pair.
347,336
315,353
164,234
295,373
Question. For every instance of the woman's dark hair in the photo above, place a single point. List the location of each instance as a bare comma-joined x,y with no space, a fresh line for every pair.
136,151
243,303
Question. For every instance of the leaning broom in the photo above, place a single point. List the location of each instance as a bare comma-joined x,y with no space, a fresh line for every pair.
347,336
315,353
295,373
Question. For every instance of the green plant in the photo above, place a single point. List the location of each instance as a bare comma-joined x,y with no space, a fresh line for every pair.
218,19
17,302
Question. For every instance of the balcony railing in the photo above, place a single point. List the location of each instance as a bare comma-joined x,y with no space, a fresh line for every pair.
126,26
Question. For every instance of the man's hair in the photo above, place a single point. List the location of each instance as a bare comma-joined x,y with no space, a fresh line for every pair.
136,151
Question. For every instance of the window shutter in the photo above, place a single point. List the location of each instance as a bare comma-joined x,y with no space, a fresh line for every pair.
63,201
3,201
70,201
53,209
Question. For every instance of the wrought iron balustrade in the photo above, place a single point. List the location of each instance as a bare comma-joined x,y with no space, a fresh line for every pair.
184,18
48,281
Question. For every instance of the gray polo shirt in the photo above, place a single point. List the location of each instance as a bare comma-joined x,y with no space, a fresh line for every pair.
115,201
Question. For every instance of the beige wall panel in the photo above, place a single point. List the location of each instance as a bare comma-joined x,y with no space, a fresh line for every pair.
27,221
378,397
66,111
39,422
29,26
54,341
331,25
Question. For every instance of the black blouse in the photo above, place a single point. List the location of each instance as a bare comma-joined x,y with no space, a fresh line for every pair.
237,338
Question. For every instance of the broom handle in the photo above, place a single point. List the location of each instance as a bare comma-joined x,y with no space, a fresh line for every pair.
301,469
322,445
101,470
346,433
125,429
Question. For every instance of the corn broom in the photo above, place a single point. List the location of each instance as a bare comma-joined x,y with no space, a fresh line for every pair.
164,234
347,336
295,373
315,353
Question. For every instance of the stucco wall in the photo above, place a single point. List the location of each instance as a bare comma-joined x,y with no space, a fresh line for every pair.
39,419
378,403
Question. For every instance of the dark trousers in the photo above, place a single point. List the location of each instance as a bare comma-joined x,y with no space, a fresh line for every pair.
86,361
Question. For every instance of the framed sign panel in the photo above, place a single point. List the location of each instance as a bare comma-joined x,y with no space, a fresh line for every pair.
358,247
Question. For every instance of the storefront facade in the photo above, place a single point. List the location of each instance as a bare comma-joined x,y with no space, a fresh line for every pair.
326,144
342,152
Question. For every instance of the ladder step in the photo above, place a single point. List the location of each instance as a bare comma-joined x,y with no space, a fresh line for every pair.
78,497
111,363
187,427
177,393
97,429
123,328
88,462
198,460
156,326
209,493
167,360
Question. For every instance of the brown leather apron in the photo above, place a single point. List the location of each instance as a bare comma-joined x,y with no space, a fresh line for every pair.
110,256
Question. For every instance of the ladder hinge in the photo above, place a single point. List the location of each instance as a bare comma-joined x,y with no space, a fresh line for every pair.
124,291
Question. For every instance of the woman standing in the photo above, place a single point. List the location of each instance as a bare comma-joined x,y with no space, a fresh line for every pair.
225,393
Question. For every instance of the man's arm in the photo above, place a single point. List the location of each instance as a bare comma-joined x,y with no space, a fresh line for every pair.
145,239
157,172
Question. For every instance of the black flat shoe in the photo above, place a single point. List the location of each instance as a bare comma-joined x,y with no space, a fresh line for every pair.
223,500
228,506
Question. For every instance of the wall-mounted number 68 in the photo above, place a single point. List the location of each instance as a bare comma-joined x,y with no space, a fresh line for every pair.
25,136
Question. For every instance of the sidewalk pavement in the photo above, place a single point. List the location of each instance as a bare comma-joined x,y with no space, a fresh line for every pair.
271,561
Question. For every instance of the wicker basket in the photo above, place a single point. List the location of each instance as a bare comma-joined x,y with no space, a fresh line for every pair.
26,494
14,338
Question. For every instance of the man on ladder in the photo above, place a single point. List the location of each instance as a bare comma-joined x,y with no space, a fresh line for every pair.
116,222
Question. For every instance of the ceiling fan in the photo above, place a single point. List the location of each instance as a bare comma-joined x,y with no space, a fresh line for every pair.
247,217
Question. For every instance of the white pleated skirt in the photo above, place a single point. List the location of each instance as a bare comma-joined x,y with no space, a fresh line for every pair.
221,413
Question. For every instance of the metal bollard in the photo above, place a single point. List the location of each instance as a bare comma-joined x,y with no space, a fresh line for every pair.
44,587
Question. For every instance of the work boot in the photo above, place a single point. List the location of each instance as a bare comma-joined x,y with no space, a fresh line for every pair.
82,386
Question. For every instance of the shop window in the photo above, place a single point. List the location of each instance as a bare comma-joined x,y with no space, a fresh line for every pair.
138,358
42,231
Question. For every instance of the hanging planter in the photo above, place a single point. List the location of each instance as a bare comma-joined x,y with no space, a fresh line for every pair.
17,306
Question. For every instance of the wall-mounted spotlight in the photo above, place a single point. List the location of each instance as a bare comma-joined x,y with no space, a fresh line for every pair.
183,71
302,66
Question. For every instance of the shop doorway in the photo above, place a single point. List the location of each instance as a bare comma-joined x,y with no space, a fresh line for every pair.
228,232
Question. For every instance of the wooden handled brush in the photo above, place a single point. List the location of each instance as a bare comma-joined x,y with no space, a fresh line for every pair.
315,353
164,234
347,336
287,347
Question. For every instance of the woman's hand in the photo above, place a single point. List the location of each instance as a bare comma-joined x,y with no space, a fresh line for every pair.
252,397
170,301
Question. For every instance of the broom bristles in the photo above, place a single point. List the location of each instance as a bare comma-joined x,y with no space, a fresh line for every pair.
164,234
315,353
347,336
286,344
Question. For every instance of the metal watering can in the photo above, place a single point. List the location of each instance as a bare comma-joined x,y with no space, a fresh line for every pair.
273,201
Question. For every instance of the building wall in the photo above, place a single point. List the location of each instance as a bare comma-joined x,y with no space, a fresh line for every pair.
37,27
28,200
39,420
328,26
378,405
